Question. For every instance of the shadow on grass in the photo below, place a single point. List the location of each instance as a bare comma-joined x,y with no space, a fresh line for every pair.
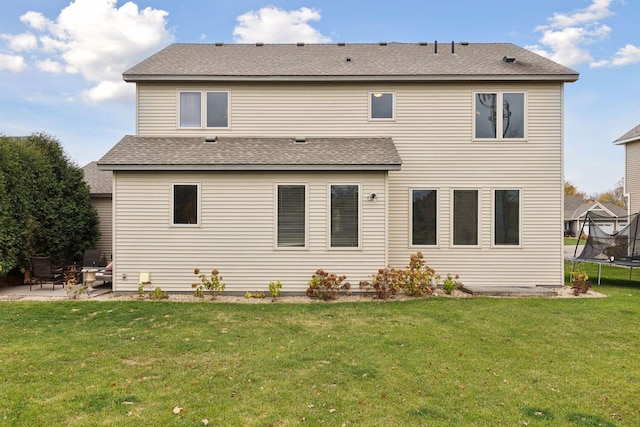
588,420
538,413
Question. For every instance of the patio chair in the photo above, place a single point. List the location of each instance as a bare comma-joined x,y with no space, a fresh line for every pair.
91,258
43,272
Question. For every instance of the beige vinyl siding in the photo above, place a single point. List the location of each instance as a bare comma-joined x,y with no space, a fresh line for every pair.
433,132
237,234
103,206
632,180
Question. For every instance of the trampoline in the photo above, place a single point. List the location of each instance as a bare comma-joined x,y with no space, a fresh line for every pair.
620,248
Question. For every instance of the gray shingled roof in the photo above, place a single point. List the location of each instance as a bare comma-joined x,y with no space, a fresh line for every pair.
238,153
393,61
632,135
100,182
576,208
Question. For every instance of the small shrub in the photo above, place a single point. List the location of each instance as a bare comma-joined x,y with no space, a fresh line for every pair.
418,277
213,284
158,293
275,289
450,284
385,284
326,285
581,287
256,294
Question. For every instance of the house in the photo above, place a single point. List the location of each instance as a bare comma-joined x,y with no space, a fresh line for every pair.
268,162
609,217
631,142
100,183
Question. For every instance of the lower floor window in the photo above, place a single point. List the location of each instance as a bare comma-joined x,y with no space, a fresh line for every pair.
465,217
291,216
507,217
185,204
423,217
345,216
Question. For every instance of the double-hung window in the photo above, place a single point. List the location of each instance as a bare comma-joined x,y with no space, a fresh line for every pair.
345,213
208,108
465,217
423,217
506,212
499,115
381,106
292,220
185,204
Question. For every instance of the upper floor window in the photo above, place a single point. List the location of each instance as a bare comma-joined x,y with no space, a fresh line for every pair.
423,217
506,213
381,106
465,217
215,108
185,206
499,115
291,216
345,209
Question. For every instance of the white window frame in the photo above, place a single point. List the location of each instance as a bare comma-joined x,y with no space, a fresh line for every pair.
494,217
306,217
198,208
203,109
411,244
452,218
393,106
344,248
499,117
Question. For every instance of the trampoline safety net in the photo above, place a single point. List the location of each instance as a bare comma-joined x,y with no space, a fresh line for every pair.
623,245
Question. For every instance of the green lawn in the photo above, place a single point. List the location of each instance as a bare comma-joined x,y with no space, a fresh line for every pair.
435,361
570,241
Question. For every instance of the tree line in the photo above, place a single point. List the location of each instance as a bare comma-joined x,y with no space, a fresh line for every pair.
45,206
615,195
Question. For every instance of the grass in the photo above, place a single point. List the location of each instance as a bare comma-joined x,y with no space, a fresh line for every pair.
434,361
570,241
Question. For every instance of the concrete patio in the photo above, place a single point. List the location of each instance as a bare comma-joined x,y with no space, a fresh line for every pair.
47,291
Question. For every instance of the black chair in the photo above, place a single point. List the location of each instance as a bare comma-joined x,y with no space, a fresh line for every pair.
91,258
43,272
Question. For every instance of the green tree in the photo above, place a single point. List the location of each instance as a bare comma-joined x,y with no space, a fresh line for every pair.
572,190
44,203
615,196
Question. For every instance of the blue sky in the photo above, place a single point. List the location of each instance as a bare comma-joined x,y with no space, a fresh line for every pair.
61,61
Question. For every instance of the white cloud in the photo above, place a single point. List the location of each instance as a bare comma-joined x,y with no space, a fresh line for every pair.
598,10
627,55
273,25
98,40
35,20
13,63
566,37
50,66
106,91
21,42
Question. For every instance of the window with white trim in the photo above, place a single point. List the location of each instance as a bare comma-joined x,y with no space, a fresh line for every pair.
506,217
345,212
212,109
499,115
465,217
292,220
423,217
381,106
185,204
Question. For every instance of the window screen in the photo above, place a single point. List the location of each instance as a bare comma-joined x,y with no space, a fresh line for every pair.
291,216
423,227
217,109
190,109
507,217
344,216
185,204
381,105
465,217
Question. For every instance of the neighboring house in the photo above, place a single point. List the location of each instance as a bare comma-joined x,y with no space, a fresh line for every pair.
631,142
268,162
100,187
609,217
